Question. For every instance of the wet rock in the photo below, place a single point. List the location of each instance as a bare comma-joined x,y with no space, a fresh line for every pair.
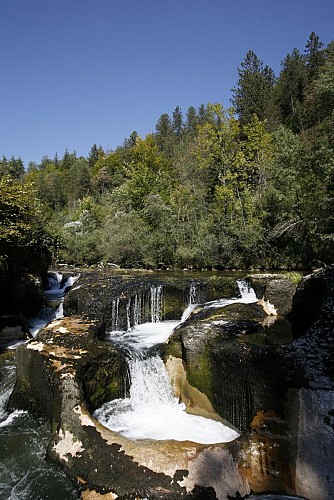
313,349
13,328
59,374
116,298
310,296
238,377
238,365
236,311
280,390
315,445
275,290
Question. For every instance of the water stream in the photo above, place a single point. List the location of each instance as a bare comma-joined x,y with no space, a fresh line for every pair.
151,410
24,473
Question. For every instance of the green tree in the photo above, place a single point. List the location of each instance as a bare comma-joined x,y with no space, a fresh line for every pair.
290,90
254,91
314,55
147,172
94,154
191,121
14,168
24,239
164,134
177,122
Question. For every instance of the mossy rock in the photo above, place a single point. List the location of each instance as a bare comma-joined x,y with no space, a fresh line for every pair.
235,311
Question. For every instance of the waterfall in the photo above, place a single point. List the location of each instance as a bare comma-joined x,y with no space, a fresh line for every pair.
114,313
128,314
247,293
55,297
54,280
151,410
156,303
192,294
137,309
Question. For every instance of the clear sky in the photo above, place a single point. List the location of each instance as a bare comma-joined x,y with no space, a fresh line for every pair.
79,72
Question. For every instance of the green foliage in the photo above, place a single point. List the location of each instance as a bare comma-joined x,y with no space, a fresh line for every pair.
254,91
23,237
250,186
12,168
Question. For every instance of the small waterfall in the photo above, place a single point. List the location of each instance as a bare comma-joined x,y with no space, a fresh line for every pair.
54,280
57,287
152,411
8,373
192,294
128,314
114,314
247,293
137,307
156,303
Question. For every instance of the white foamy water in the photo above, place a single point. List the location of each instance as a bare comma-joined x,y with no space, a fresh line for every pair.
11,417
8,373
151,411
55,298
144,336
247,296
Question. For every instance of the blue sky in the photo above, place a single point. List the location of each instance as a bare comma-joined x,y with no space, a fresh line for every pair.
79,72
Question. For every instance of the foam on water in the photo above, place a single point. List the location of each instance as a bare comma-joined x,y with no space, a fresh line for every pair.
144,336
153,412
55,298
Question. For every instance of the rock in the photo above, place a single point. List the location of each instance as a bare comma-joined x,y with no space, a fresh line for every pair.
313,346
59,374
114,297
275,292
238,376
280,390
21,295
236,311
13,328
310,296
237,365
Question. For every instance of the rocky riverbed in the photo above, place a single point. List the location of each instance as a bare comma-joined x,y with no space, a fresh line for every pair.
264,368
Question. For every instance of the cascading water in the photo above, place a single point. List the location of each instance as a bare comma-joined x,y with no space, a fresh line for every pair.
24,473
54,296
152,411
156,303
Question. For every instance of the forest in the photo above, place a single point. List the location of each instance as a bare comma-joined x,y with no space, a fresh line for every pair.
244,186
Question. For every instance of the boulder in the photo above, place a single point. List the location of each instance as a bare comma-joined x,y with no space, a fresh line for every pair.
235,363
311,294
13,328
64,372
238,365
274,291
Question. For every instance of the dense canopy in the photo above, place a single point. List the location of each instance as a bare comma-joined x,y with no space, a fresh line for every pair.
246,186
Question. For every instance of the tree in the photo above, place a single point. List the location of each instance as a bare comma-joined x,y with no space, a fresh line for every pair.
24,239
254,91
67,160
319,100
164,134
191,121
131,141
94,154
148,171
290,90
177,122
14,168
314,55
